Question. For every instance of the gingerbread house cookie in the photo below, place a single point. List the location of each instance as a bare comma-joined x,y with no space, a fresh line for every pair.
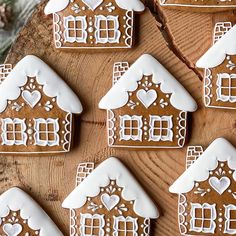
109,201
147,107
219,63
36,108
207,192
20,215
93,23
199,5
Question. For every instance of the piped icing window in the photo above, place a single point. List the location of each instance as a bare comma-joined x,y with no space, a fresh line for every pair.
131,128
107,29
203,218
75,29
161,128
226,87
230,216
125,226
46,132
13,132
92,225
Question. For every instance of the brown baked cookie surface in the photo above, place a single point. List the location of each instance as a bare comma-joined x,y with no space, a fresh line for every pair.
146,107
219,63
36,109
207,192
93,24
109,201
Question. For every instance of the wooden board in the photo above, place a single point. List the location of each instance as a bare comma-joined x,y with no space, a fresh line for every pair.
189,34
49,179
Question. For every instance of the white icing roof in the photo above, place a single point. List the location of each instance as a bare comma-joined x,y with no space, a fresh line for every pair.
53,85
15,199
220,150
54,6
112,169
147,65
217,53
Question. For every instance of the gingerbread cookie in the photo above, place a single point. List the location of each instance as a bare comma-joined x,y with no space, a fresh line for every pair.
147,107
109,201
36,108
200,5
93,23
207,192
219,63
20,215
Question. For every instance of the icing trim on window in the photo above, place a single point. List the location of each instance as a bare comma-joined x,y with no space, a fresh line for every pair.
138,128
228,221
100,226
202,219
68,29
115,29
160,119
47,141
20,123
125,231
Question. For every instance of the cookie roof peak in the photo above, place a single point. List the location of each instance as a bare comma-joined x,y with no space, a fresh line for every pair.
112,169
219,151
216,55
16,199
52,85
54,6
147,65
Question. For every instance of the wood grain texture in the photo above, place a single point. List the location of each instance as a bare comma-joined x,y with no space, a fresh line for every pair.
49,179
188,33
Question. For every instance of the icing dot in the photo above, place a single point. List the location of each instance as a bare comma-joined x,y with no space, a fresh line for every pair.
108,230
185,214
142,226
139,82
108,220
115,128
208,190
30,138
14,214
124,26
145,138
90,23
89,198
119,189
145,133
124,18
108,224
114,119
220,214
116,208
131,202
115,136
177,127
211,173
167,95
30,131
220,226
90,29
222,164
197,185
63,122
177,136
130,94
112,182
31,80
145,128
230,191
22,88
63,131
62,141
230,172
186,223
83,8
185,204
91,37
124,36
54,99
137,103
40,105
145,122
22,104
9,102
146,78
220,220
101,8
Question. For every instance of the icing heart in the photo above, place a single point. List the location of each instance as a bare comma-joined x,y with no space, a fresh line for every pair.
31,98
219,185
12,230
92,4
110,201
147,98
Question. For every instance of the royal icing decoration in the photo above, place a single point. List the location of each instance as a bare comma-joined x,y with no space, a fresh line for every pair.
20,215
147,107
93,23
200,5
219,63
207,193
36,108
111,200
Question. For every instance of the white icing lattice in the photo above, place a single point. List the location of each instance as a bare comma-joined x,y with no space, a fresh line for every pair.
119,69
5,69
83,171
221,28
193,153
